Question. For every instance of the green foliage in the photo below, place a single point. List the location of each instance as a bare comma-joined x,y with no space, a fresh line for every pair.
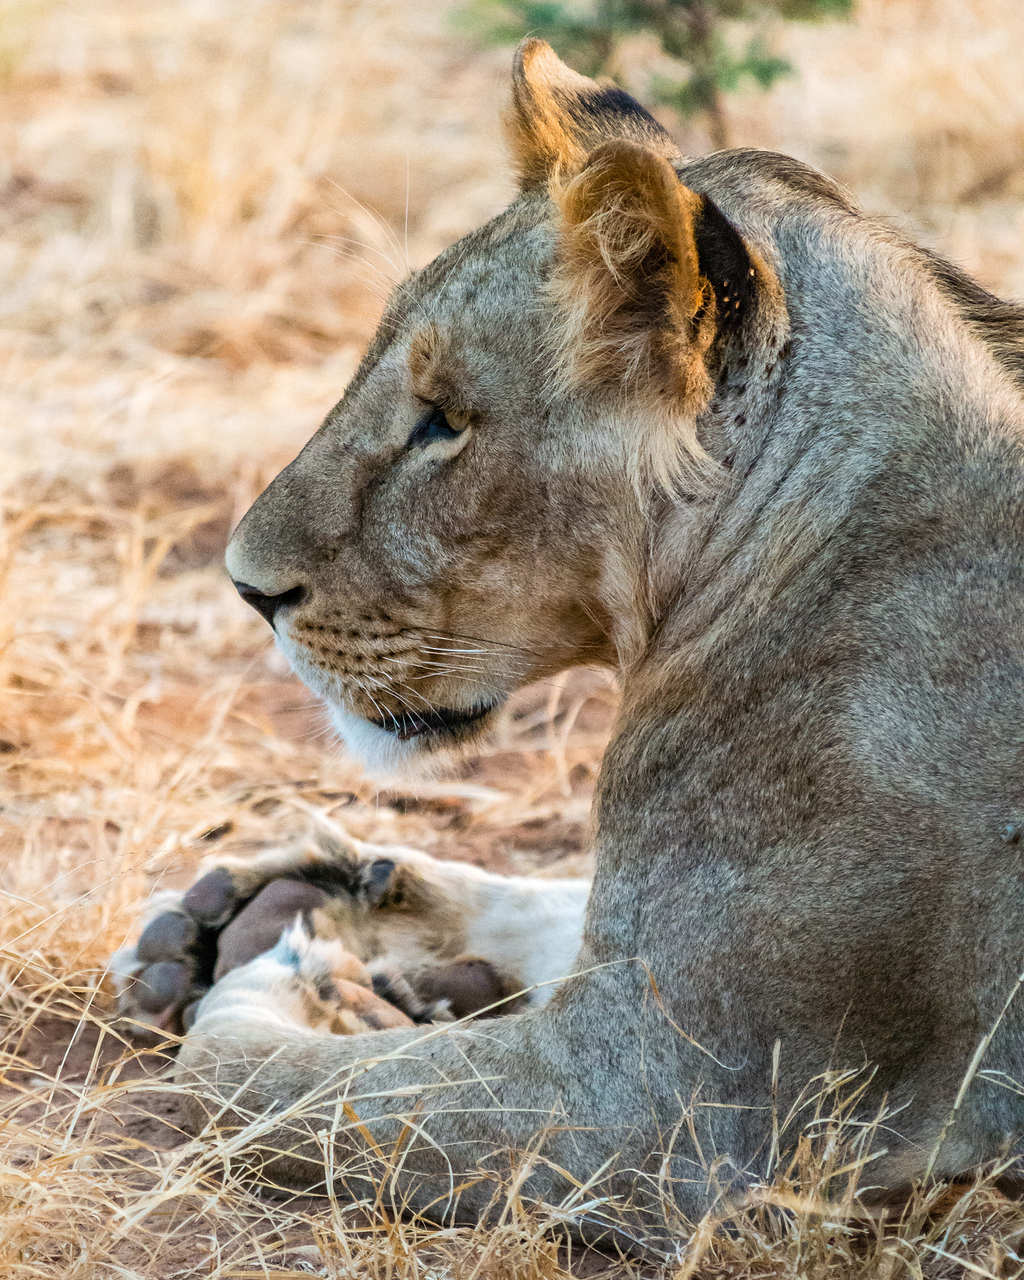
586,34
719,71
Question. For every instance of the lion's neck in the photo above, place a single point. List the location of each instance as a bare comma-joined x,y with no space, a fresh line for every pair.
878,395
835,678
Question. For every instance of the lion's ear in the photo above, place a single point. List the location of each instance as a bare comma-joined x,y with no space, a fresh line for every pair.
633,308
559,117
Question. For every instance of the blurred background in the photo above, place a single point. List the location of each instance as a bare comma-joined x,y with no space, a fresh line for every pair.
203,204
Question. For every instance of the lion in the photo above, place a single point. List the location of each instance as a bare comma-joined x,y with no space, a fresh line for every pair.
704,422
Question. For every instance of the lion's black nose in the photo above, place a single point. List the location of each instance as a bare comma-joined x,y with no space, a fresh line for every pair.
269,605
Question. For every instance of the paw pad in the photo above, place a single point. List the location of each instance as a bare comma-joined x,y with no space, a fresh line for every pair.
211,899
162,985
168,937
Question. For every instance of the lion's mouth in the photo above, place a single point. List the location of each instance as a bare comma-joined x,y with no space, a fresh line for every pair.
445,721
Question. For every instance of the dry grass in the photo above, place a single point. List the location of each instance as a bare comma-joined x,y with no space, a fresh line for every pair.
201,206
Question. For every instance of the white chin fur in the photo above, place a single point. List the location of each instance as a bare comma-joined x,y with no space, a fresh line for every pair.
383,754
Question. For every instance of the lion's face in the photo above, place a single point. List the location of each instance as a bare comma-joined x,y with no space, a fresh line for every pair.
473,515
440,540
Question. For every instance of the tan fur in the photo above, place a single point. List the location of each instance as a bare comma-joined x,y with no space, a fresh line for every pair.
551,128
626,253
809,825
635,316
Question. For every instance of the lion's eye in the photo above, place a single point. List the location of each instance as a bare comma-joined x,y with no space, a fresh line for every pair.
434,425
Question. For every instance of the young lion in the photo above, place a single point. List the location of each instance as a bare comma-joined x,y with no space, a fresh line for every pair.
702,421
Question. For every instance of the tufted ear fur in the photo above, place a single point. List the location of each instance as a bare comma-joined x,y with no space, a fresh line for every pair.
633,307
559,117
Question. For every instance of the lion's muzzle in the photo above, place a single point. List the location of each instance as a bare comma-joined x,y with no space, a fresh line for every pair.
266,605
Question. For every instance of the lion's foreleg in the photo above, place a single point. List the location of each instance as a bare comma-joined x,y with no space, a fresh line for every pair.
266,1062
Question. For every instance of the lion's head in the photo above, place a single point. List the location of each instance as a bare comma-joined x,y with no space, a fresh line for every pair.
479,509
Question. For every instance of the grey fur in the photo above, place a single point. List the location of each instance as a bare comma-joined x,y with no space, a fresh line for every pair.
822,733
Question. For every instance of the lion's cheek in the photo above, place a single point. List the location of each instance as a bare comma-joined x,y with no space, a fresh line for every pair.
380,752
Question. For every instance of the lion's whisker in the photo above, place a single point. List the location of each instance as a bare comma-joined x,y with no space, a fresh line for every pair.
454,635
484,662
454,666
452,673
380,711
383,687
461,666
481,653
435,649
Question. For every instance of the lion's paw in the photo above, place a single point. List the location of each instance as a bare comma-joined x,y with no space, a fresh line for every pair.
381,901
309,982
192,940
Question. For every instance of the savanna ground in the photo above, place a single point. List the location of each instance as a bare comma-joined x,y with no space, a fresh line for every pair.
202,205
